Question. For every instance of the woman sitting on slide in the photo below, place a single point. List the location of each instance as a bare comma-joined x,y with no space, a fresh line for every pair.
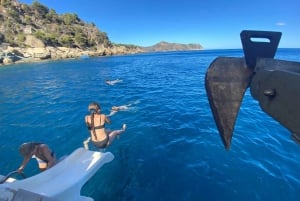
100,137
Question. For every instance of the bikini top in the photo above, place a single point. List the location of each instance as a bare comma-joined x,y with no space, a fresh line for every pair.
97,127
100,127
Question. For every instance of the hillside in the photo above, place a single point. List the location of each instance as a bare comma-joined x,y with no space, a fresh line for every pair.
37,32
165,46
17,21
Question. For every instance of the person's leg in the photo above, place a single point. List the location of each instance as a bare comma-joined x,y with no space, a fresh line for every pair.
113,134
86,142
42,164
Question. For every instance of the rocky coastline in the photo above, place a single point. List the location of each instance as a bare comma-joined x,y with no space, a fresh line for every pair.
38,51
12,55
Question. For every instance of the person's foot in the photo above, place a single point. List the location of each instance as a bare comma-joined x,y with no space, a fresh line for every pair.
124,127
86,143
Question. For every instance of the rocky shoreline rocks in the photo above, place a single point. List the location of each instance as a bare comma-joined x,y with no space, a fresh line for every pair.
12,55
36,50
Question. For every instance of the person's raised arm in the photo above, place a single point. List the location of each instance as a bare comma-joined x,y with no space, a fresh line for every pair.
107,120
112,112
87,122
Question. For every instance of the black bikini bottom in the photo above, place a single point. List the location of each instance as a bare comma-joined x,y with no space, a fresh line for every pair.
101,144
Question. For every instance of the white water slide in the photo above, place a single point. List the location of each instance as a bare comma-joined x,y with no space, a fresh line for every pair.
62,182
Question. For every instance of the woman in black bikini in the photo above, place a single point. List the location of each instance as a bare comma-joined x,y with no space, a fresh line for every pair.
40,151
101,137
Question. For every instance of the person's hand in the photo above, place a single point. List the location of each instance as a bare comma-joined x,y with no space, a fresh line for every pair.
19,170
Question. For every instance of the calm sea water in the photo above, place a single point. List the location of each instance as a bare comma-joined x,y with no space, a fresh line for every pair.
171,150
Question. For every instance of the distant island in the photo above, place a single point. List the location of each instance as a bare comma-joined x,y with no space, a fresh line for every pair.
35,32
165,46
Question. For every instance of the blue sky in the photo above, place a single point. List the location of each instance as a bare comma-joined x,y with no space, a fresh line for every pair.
215,24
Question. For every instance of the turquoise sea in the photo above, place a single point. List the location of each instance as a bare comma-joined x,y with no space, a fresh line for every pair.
171,150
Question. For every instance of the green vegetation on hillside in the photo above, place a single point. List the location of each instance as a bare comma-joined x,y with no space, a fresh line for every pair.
20,20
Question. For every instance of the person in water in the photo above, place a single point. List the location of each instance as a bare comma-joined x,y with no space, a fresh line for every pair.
112,82
95,122
115,109
40,151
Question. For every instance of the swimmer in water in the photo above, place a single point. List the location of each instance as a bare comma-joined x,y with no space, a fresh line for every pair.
115,109
112,82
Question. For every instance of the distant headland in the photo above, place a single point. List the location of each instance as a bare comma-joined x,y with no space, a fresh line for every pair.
165,46
34,32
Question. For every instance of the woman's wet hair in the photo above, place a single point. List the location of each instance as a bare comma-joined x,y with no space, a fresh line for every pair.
27,148
94,107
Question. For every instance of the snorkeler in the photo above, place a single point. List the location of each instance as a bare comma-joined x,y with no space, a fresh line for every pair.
100,137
